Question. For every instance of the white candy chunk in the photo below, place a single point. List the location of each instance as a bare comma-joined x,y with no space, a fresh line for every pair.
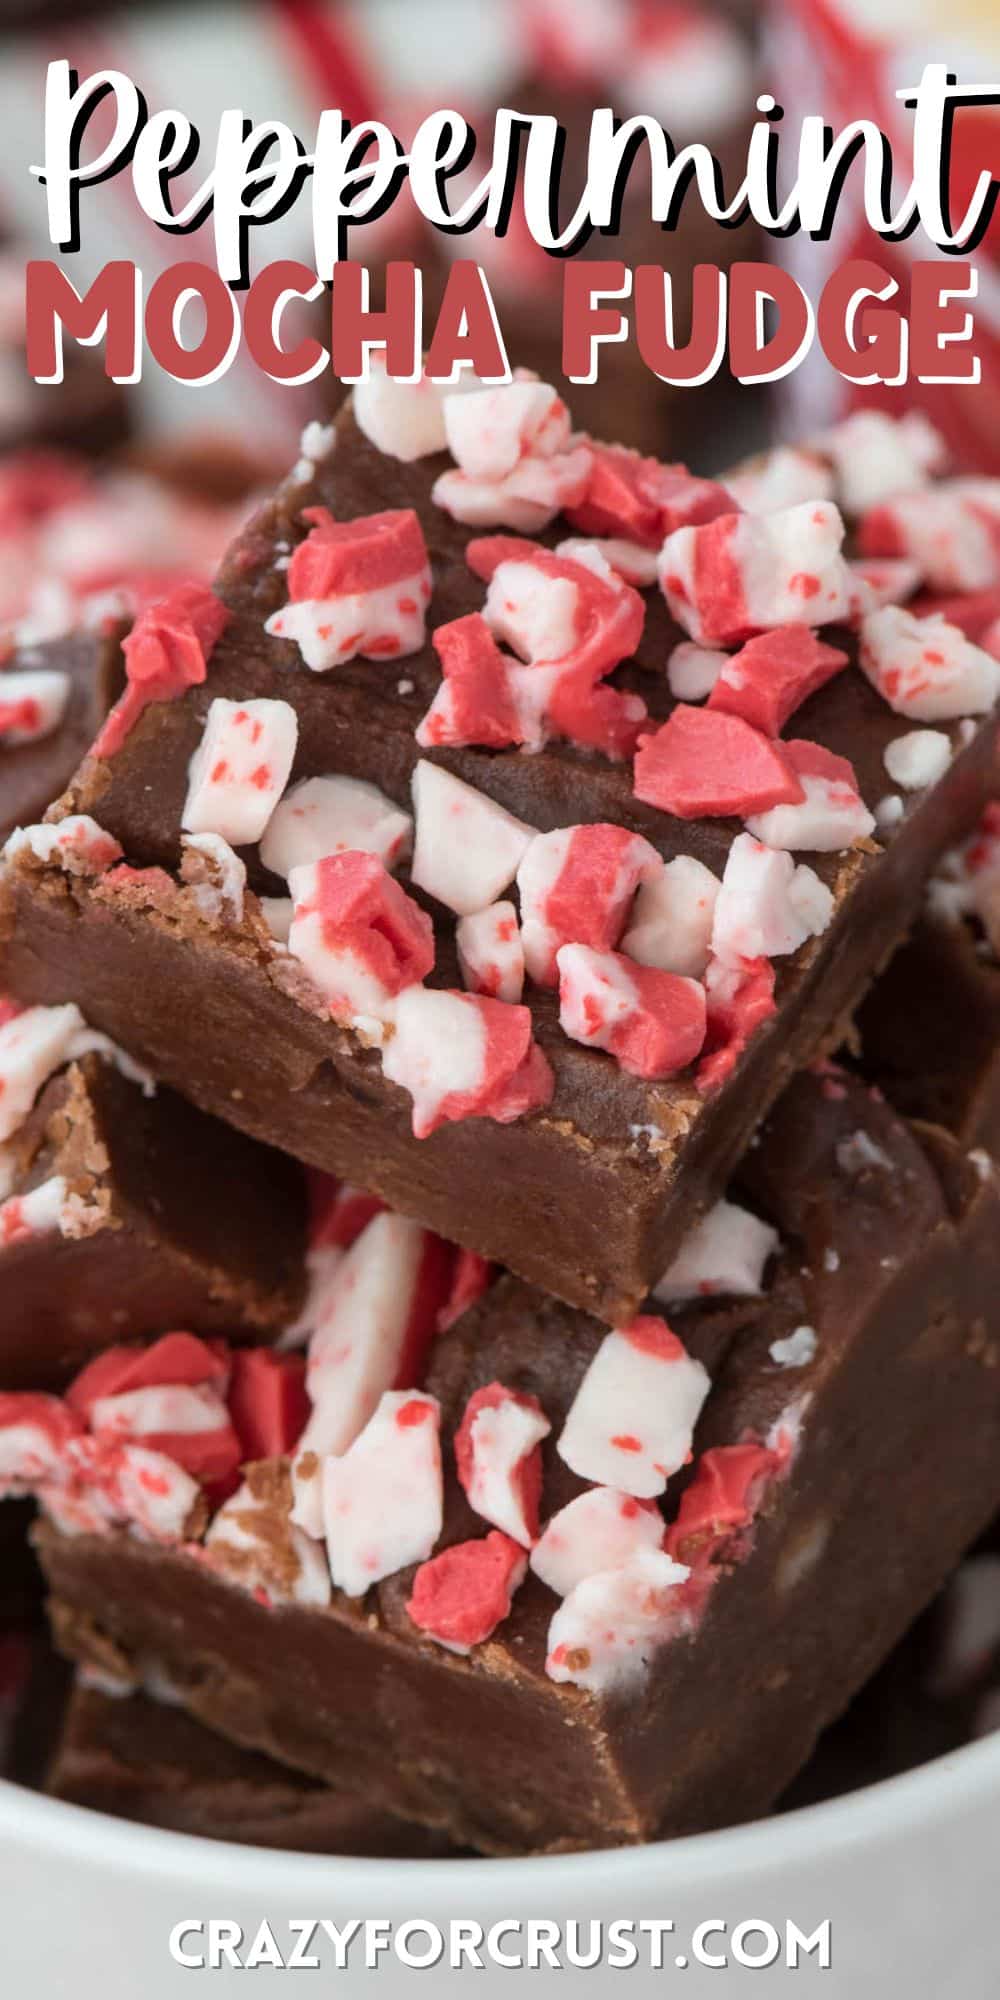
490,953
318,441
671,926
32,705
925,667
491,431
439,1046
233,1528
606,1632
358,1347
875,456
383,1500
596,995
532,612
333,815
880,580
240,769
386,621
888,812
724,1254
526,500
692,671
467,849
831,817
778,479
781,569
629,560
631,1422
797,1350
40,1212
33,1447
500,1437
952,530
277,912
155,1496
403,419
599,1530
184,1409
766,906
76,844
32,1045
918,759
221,897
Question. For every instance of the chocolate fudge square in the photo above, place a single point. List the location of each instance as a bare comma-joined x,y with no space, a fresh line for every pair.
643,1702
589,1193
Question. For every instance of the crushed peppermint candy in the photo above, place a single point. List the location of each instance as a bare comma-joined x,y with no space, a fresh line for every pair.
461,1596
166,652
876,457
215,875
356,587
461,1055
577,886
776,480
797,1350
383,1500
606,1632
703,763
240,768
498,1459
725,1255
692,671
652,1022
600,1530
918,759
467,849
926,668
741,574
832,815
632,1419
32,705
671,922
76,844
241,1541
359,936
951,529
767,906
42,1211
491,953
334,815
39,1040
773,674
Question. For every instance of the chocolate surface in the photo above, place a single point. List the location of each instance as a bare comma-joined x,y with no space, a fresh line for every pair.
930,1029
589,1197
890,1252
186,1224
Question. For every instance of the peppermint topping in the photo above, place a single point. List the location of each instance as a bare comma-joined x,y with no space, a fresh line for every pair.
498,1458
491,954
877,581
187,1424
359,936
467,848
926,668
632,1420
476,701
576,887
43,1211
692,671
32,1045
517,467
772,675
356,587
741,574
599,1530
32,705
254,1541
776,480
461,1056
797,1350
832,816
166,652
875,457
952,530
725,1255
462,1595
240,769
76,844
606,1632
740,998
671,922
642,500
703,763
382,1502
766,906
215,875
653,1022
334,815
729,1483
918,759
405,420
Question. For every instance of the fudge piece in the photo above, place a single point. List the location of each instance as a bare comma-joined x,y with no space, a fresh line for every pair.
148,1760
930,1028
838,1315
124,1213
34,769
574,1137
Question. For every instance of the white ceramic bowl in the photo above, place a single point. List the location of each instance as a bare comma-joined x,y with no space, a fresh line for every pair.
903,1871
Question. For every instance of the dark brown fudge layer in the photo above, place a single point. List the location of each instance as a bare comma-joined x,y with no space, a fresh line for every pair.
930,1029
187,1224
149,1761
588,1198
33,774
891,1252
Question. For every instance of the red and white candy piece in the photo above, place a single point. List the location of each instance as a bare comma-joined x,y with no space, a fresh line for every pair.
918,759
632,1419
356,587
499,1461
878,580
41,1212
405,420
785,477
577,886
383,1501
233,1529
629,560
606,1632
462,1056
599,1530
105,1485
703,763
476,702
772,675
926,668
188,1423
461,1596
334,815
671,922
741,574
217,878
642,500
952,530
240,768
527,498
724,1255
875,456
32,705
32,1045
554,608
766,906
492,430
832,815
35,1432
76,844
740,999
359,936
491,954
692,671
467,849
652,1022
166,652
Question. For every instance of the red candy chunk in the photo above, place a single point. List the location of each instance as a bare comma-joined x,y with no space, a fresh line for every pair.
499,1461
462,1056
596,718
705,763
35,1432
337,1212
358,934
577,885
739,1000
642,500
474,703
471,1276
773,675
176,1360
721,1500
344,558
166,652
609,614
267,1402
462,1595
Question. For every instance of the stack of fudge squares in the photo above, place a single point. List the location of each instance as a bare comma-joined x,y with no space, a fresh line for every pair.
478,1354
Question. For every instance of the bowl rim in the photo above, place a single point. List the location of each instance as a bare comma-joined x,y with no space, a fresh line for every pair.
873,1816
